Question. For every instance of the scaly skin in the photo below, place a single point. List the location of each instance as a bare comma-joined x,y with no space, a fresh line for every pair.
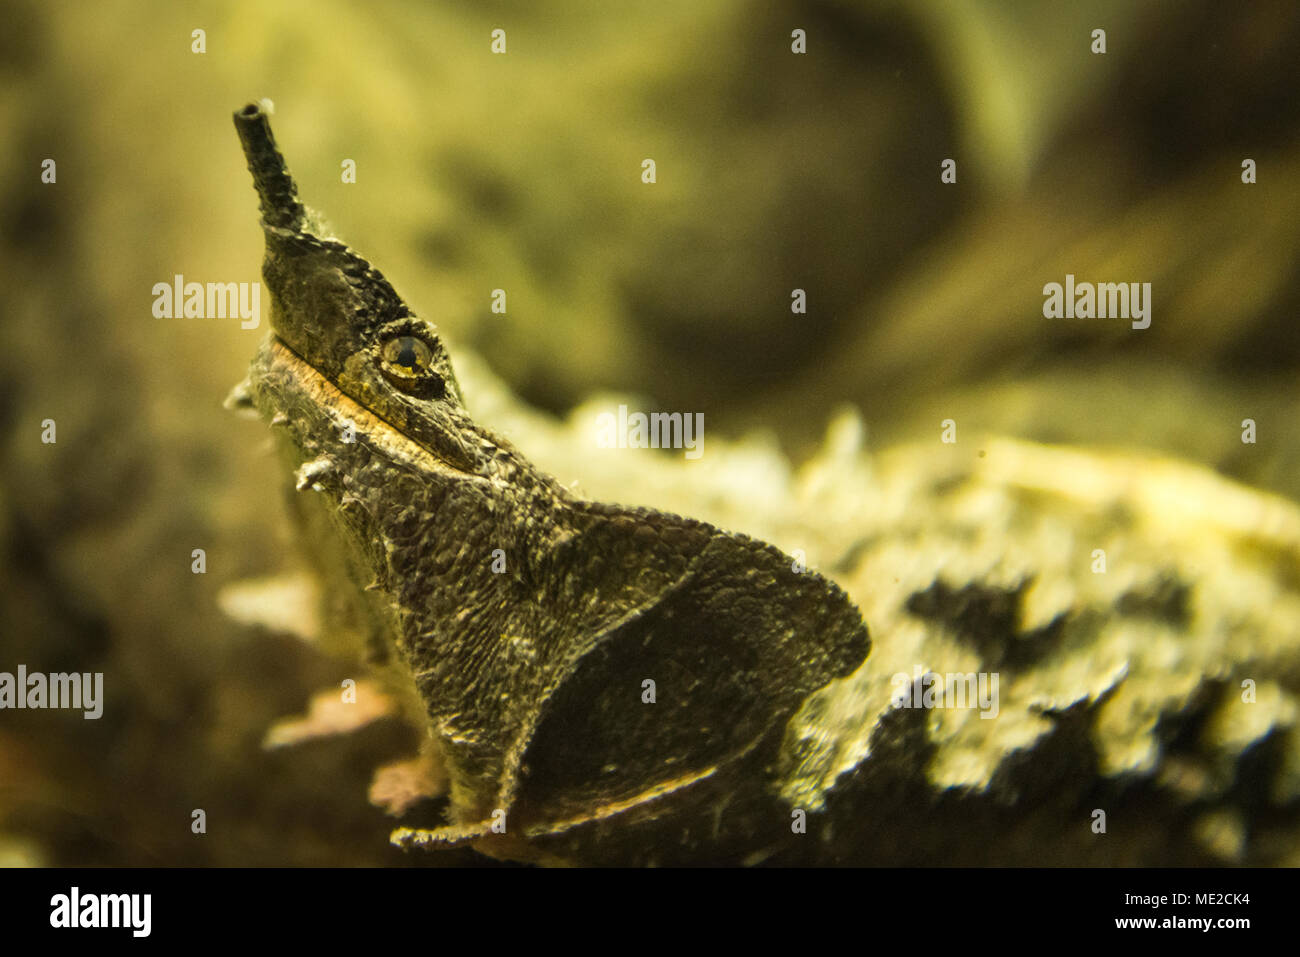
532,676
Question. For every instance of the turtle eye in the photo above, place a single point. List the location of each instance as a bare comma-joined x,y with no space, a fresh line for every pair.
408,353
407,362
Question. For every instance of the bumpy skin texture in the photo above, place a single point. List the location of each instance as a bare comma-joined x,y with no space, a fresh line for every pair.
532,676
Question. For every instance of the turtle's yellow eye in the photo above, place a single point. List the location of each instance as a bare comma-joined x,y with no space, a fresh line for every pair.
407,361
408,354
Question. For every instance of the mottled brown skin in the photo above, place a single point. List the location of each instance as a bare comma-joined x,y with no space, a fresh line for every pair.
532,677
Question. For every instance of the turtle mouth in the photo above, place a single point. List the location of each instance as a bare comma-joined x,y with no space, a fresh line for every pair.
321,417
312,370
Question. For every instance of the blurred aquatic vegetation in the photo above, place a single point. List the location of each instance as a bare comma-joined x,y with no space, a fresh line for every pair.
522,172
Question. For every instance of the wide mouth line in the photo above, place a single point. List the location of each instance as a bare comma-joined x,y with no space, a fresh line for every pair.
383,434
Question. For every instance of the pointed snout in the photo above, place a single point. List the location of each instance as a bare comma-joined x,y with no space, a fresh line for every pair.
275,187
